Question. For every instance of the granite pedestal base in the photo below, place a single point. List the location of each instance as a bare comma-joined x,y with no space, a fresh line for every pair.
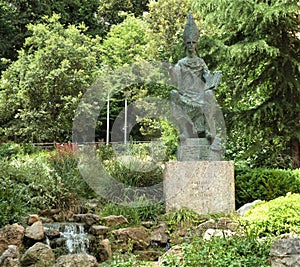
203,186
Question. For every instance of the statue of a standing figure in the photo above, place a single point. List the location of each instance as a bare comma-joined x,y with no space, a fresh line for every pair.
193,103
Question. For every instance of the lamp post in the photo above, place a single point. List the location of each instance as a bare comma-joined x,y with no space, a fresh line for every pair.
126,94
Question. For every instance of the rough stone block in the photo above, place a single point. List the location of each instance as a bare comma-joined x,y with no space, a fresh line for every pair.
203,186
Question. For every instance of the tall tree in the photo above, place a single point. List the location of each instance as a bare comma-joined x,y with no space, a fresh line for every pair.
260,48
16,14
39,91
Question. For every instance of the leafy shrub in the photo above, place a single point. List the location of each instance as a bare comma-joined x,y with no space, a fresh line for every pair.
278,216
134,214
10,149
64,164
265,184
28,185
220,252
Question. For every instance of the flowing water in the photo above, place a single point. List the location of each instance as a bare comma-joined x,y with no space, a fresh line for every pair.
71,235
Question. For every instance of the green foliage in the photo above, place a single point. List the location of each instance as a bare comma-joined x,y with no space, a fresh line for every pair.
8,150
125,43
264,184
219,252
143,211
40,91
64,165
258,48
28,185
278,216
112,12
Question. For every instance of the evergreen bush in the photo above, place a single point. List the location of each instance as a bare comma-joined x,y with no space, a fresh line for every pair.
264,184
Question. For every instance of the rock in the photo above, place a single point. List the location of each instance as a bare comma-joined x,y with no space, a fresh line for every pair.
50,212
242,210
201,228
98,230
63,216
11,235
209,233
114,220
159,235
35,231
137,235
226,223
88,218
148,255
76,260
39,255
46,220
33,218
285,252
104,250
175,251
10,257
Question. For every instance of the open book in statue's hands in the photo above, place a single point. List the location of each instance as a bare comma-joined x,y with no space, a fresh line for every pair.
212,80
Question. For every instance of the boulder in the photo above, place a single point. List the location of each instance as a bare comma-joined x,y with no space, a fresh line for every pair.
98,230
88,218
113,220
33,218
159,234
104,250
35,231
76,260
11,235
201,228
209,233
242,210
285,253
137,235
226,223
175,251
39,255
9,258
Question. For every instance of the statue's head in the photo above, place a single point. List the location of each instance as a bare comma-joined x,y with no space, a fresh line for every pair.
191,33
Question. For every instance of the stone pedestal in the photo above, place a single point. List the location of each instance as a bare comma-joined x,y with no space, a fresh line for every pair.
203,186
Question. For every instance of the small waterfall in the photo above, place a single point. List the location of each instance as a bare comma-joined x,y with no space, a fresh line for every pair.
71,235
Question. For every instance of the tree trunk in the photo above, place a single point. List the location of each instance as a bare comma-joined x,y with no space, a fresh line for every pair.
295,153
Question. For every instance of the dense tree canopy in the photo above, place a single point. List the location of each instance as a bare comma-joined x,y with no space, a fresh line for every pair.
40,90
261,64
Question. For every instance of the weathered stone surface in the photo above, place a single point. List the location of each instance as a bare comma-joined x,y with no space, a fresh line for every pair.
209,233
88,218
202,227
137,235
147,224
242,210
76,260
114,220
159,234
285,253
148,255
104,250
50,212
35,231
175,251
203,186
98,230
32,219
10,257
39,255
11,235
227,224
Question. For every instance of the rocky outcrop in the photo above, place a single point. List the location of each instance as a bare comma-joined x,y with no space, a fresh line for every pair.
137,236
285,253
76,260
39,255
11,235
113,220
248,206
88,218
35,231
10,257
159,234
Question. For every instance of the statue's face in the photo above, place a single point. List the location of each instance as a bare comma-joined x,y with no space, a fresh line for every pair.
191,46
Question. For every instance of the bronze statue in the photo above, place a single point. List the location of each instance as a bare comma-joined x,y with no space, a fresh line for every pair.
193,103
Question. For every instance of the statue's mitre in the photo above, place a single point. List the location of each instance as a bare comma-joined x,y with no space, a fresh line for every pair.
191,32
